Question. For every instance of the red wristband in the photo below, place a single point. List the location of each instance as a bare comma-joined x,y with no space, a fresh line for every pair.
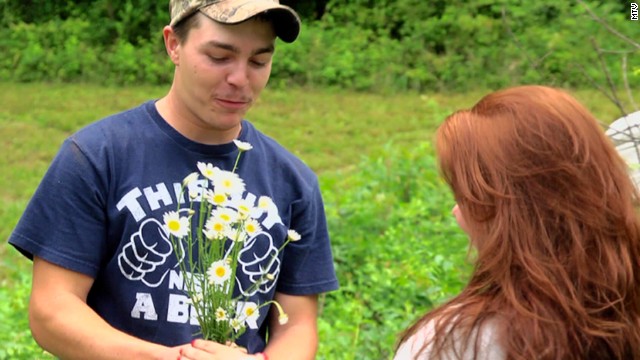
264,355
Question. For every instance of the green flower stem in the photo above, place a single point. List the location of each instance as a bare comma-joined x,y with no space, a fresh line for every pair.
235,166
206,297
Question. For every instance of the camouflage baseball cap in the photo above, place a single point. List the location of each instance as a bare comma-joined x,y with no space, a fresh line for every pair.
285,20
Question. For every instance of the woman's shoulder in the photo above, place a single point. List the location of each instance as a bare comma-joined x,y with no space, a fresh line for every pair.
485,336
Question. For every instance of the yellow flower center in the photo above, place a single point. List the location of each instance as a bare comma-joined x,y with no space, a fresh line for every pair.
220,271
218,198
174,225
218,227
250,311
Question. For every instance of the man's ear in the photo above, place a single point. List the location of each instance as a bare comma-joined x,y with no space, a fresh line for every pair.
171,44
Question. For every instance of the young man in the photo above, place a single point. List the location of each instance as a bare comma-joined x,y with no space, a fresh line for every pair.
104,276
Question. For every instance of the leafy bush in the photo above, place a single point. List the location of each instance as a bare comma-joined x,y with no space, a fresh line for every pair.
385,45
51,50
462,45
128,64
397,250
67,50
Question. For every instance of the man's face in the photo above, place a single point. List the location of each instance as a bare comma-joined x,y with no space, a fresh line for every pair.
220,72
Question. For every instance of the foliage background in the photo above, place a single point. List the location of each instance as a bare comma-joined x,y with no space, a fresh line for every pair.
381,45
356,97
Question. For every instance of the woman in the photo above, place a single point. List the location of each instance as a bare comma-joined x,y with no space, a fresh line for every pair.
551,212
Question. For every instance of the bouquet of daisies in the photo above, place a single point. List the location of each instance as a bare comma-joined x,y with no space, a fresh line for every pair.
207,237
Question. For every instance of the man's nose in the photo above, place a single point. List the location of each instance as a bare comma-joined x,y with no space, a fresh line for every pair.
238,75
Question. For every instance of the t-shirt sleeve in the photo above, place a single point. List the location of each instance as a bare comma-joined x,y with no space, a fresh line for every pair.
308,263
64,222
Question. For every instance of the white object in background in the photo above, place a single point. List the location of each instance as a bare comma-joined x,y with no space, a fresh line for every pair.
625,133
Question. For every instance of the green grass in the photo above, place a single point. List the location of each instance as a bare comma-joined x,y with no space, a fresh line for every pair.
331,130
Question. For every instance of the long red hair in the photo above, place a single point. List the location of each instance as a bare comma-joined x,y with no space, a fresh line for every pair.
552,214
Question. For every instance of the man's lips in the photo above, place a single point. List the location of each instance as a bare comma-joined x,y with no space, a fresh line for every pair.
232,104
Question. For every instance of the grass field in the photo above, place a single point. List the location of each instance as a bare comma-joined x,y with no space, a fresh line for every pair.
331,130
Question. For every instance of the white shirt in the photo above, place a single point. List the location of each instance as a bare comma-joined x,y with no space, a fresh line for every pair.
625,133
488,346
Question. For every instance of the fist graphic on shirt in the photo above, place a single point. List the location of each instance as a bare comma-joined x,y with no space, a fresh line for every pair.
258,258
147,250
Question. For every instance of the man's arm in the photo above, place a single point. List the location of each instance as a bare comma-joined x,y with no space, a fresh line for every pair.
63,324
298,338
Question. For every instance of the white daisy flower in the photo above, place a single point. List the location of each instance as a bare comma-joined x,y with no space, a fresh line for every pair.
228,182
212,234
216,198
219,272
190,178
293,235
175,224
242,146
226,215
221,314
236,324
249,313
216,225
244,208
208,170
252,226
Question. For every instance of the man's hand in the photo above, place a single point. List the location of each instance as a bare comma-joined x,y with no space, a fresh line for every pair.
209,350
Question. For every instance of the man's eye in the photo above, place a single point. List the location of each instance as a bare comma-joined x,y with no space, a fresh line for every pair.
218,59
261,61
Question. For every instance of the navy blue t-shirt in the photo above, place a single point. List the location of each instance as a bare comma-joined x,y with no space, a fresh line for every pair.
99,211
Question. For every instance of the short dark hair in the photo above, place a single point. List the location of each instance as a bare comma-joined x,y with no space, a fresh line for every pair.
182,28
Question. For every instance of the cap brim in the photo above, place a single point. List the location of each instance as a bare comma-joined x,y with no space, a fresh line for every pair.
286,21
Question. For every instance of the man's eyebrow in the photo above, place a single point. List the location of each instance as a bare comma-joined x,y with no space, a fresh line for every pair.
234,49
